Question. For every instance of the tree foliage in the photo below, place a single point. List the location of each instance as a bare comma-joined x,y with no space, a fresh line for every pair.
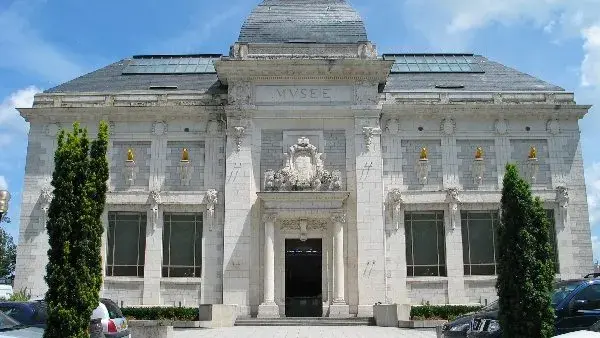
74,270
525,263
8,255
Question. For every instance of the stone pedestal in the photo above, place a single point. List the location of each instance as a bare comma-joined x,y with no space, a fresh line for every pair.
268,310
340,310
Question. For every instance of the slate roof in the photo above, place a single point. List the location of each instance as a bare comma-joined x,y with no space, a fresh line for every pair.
111,79
318,21
496,77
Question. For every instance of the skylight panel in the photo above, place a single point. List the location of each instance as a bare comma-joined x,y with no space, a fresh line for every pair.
434,63
172,64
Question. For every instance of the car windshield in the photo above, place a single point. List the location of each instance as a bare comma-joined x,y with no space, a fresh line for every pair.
7,322
562,290
113,310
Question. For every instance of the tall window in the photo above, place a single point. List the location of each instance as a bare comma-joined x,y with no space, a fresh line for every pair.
479,242
126,244
425,244
182,245
553,239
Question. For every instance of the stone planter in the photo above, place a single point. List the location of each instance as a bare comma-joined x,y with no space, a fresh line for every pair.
421,324
389,315
150,328
217,315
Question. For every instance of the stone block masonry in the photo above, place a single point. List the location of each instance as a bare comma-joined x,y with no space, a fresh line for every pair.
196,151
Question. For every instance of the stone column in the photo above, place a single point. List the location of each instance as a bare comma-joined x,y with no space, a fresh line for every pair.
269,309
339,307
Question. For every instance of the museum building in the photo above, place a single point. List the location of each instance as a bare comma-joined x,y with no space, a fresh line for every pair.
304,174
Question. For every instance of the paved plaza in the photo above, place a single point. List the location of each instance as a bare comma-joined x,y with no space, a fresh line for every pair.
305,332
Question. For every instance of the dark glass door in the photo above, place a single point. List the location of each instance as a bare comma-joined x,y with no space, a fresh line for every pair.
303,278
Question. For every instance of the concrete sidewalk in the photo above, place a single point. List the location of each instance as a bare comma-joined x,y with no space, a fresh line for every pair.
304,332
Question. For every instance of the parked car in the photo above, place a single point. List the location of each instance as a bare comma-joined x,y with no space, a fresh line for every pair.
114,324
592,332
576,304
27,313
10,328
462,324
33,314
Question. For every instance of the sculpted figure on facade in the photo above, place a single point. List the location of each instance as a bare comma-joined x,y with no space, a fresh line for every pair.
155,201
562,199
303,171
211,200
453,199
46,197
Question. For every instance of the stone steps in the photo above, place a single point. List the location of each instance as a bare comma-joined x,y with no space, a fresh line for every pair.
317,321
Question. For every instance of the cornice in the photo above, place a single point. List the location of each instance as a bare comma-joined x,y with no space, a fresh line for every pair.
117,114
231,70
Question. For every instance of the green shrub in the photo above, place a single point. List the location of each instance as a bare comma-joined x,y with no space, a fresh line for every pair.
161,313
444,312
20,296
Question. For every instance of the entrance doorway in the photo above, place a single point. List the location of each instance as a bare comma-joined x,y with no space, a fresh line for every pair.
303,278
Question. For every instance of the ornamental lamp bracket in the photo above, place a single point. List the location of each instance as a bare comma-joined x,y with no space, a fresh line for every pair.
478,167
130,167
423,166
533,165
185,168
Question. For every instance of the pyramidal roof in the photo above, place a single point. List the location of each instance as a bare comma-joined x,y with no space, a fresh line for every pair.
305,21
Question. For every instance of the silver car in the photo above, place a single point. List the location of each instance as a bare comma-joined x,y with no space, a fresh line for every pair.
114,324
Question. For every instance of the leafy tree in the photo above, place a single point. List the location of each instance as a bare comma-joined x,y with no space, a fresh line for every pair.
525,262
8,255
74,270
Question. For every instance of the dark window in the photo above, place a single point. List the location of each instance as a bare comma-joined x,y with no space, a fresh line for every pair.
425,244
479,242
126,244
182,245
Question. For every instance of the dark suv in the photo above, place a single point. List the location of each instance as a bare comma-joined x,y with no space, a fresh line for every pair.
576,304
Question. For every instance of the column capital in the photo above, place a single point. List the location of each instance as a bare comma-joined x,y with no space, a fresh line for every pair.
339,217
270,217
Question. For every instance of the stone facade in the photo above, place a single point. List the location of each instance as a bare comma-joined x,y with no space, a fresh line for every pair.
359,161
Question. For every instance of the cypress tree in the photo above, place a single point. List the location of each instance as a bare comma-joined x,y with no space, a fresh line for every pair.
525,262
74,270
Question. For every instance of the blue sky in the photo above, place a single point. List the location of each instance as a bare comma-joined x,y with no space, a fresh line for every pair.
46,42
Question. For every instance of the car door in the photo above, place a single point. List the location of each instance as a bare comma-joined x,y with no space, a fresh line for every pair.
583,310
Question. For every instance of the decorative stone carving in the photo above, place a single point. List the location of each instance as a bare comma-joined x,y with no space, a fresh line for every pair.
453,200
155,202
46,197
303,171
562,199
239,51
159,128
478,167
303,226
369,133
501,126
553,127
52,129
112,127
238,134
270,217
339,218
211,200
448,126
367,51
395,202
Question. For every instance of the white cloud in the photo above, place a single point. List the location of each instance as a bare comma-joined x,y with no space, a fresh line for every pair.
451,23
10,119
590,68
592,179
596,248
3,183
